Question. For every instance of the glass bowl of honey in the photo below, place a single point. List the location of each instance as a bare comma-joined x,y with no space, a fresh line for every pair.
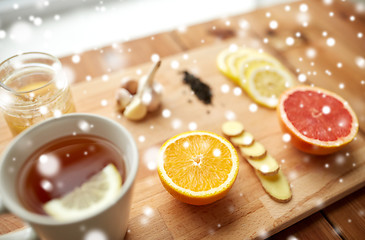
33,87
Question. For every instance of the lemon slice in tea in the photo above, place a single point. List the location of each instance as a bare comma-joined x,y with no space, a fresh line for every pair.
91,196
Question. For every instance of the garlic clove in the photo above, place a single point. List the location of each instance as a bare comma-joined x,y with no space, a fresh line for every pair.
135,110
123,97
151,99
130,84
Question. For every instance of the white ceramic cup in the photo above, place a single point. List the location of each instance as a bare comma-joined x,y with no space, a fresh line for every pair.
111,221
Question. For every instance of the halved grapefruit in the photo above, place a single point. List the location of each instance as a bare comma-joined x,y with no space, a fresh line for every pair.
319,121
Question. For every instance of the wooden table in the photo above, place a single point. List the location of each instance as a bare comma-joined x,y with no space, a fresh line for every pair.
333,66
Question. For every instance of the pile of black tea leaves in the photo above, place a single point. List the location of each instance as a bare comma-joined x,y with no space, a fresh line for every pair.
200,89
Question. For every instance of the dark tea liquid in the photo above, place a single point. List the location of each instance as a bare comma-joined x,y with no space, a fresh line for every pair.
61,165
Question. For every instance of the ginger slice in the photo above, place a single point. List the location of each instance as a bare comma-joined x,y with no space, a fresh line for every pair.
266,166
232,128
245,139
277,186
255,151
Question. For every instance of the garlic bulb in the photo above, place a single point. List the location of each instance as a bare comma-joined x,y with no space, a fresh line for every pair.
135,99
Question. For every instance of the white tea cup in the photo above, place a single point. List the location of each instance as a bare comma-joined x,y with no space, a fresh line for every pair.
110,222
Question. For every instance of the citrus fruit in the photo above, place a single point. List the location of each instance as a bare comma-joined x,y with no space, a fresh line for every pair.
91,196
318,121
197,167
266,84
246,66
222,61
261,75
233,61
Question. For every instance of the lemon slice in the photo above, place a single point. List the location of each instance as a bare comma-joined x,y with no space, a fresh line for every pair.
91,196
233,60
246,66
221,61
266,84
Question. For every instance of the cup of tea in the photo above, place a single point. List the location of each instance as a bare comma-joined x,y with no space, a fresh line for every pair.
70,177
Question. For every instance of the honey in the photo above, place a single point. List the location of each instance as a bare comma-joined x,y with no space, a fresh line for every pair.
33,88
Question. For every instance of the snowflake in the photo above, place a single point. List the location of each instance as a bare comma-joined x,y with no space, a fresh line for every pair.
148,211
237,91
303,7
326,110
84,126
230,115
225,88
331,42
104,102
37,21
2,34
155,57
302,77
289,41
176,123
244,24
149,158
193,126
360,62
253,107
95,235
175,64
48,165
76,59
166,113
141,138
273,24
286,137
311,53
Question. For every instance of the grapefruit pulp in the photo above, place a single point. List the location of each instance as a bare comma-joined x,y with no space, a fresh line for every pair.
319,121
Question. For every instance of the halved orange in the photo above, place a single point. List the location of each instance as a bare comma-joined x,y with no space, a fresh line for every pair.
197,167
318,121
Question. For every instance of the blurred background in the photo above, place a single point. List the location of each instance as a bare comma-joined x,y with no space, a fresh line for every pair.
64,27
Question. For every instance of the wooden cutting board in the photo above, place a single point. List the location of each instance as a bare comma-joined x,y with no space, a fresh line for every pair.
247,211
